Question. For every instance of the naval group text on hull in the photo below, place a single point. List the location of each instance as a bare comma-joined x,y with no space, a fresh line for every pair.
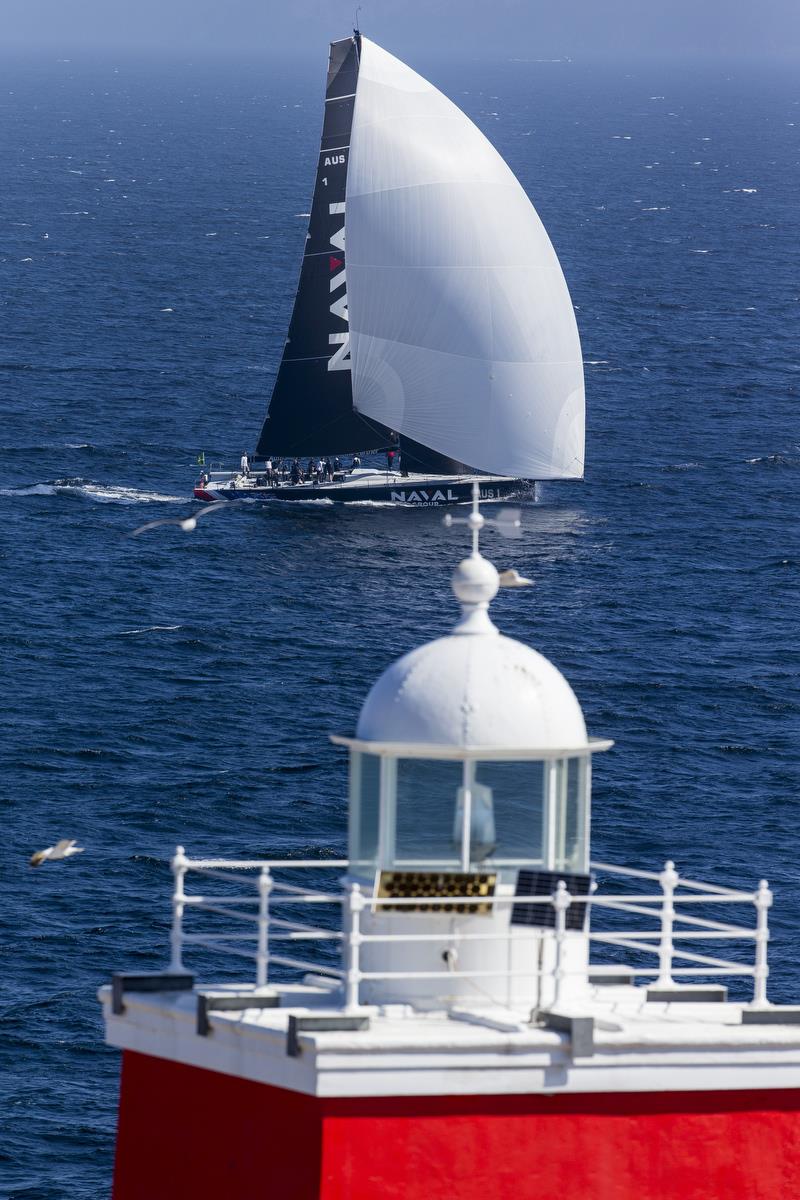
371,487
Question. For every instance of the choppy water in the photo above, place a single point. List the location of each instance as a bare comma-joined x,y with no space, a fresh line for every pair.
181,687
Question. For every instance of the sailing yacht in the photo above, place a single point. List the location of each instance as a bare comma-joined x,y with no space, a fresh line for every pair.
432,318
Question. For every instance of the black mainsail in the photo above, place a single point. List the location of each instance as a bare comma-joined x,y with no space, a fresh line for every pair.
311,409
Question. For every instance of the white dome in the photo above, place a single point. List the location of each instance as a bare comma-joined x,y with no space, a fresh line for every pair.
474,688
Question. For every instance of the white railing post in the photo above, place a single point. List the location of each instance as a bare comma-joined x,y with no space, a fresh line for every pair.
763,903
561,902
355,904
262,953
179,866
669,881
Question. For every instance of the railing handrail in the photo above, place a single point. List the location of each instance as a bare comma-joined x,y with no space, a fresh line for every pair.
665,906
249,864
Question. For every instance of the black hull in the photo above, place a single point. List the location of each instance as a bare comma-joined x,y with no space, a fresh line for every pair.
429,493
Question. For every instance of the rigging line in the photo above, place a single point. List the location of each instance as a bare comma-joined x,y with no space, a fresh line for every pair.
317,253
309,358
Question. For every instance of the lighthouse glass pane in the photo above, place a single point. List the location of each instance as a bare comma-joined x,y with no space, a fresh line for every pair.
365,776
427,794
572,838
517,794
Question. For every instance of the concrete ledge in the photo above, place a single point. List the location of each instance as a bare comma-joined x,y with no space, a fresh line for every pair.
231,1003
789,1014
333,1022
150,981
713,994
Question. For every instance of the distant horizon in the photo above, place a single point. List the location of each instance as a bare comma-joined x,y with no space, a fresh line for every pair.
315,54
617,30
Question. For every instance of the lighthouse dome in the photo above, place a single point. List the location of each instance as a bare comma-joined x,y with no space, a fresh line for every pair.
475,687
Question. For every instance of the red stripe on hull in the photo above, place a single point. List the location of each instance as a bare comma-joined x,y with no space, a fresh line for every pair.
189,1132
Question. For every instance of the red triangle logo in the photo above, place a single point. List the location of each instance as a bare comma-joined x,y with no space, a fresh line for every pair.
335,263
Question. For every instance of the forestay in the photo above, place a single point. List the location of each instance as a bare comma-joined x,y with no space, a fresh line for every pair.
462,331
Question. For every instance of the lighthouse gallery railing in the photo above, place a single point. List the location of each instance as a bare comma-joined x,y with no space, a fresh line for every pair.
264,920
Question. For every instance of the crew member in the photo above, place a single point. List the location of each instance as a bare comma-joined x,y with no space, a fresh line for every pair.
244,465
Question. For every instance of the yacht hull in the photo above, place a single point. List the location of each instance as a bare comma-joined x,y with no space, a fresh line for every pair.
411,491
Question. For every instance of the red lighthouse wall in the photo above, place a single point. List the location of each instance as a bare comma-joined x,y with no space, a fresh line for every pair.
188,1132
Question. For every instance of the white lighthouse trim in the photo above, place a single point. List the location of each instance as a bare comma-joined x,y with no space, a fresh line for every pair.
491,753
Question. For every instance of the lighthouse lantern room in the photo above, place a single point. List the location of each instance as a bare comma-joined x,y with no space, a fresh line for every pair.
469,775
469,1004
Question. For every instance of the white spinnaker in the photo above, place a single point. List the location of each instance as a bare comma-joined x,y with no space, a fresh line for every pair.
462,331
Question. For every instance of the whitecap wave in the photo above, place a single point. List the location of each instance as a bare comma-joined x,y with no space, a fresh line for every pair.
147,629
374,504
106,493
773,460
36,489
100,492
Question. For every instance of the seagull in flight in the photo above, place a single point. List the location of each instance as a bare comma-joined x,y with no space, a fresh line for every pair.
510,578
187,524
63,849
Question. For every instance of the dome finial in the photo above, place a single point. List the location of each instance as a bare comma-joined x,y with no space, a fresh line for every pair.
475,580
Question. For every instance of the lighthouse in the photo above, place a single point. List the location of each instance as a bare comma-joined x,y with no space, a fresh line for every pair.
470,1005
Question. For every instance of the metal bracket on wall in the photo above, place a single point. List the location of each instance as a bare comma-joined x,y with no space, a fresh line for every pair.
789,1014
299,1025
579,1029
231,1003
150,981
710,994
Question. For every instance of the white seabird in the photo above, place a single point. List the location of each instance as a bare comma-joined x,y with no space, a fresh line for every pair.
63,849
187,524
512,579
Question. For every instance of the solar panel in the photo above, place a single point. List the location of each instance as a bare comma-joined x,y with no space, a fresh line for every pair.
435,885
545,883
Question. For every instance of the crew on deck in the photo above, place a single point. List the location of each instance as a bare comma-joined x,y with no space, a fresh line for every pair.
279,472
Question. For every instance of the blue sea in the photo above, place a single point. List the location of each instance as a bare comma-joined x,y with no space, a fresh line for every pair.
176,688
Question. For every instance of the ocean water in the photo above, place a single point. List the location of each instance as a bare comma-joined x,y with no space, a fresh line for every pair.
181,688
